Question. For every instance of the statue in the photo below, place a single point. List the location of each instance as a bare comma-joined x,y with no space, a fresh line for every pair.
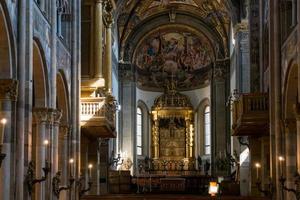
206,167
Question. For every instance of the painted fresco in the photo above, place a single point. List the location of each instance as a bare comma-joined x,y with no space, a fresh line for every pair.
180,56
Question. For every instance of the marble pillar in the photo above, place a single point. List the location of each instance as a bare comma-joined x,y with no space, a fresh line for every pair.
98,37
40,118
8,97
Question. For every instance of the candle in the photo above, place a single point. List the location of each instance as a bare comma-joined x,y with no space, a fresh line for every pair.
46,143
281,159
257,165
90,170
71,161
3,122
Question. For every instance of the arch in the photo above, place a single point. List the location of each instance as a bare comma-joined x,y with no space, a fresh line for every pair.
290,91
162,19
6,45
62,97
40,80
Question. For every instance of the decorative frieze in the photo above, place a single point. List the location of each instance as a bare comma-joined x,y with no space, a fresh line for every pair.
8,89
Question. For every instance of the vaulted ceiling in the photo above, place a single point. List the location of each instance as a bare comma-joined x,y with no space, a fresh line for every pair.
178,39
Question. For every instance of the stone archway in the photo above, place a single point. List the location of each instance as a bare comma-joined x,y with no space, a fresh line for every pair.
63,144
5,48
42,116
8,97
290,127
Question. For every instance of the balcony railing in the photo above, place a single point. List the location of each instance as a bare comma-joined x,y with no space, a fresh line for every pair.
98,116
250,114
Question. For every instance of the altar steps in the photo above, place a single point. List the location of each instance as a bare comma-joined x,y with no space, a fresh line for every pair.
164,197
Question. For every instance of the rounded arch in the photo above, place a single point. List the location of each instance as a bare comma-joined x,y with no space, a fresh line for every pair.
7,50
290,90
162,19
40,78
62,97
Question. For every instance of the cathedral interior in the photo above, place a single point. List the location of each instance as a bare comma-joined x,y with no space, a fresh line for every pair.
149,99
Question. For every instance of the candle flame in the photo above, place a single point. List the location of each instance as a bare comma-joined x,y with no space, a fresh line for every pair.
3,121
90,166
257,165
281,158
46,142
71,161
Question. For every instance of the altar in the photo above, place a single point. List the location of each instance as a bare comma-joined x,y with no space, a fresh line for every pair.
172,184
172,132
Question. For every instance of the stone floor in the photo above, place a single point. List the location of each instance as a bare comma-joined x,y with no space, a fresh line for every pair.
164,197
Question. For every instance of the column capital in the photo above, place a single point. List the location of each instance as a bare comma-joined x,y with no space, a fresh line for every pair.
40,114
108,16
57,115
8,89
241,27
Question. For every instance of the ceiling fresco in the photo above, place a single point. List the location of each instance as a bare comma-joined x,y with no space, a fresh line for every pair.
176,55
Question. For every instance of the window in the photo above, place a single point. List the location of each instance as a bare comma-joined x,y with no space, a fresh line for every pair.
139,132
207,133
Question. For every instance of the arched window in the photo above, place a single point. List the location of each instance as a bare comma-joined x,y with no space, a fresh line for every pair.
139,132
207,133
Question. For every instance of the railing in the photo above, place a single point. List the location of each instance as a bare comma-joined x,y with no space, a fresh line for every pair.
97,107
252,108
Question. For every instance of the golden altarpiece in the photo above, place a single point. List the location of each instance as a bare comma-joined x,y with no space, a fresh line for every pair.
172,132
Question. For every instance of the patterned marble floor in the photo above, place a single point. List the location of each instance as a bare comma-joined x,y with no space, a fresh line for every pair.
164,197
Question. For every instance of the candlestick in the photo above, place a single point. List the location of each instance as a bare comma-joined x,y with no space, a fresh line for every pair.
71,161
46,143
3,122
257,165
281,159
90,171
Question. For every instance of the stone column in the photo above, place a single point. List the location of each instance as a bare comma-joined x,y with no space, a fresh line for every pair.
291,157
8,97
53,53
128,112
243,57
40,117
108,47
220,113
98,37
63,158
20,132
54,138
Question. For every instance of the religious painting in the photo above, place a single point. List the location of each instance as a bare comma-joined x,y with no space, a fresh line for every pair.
181,56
